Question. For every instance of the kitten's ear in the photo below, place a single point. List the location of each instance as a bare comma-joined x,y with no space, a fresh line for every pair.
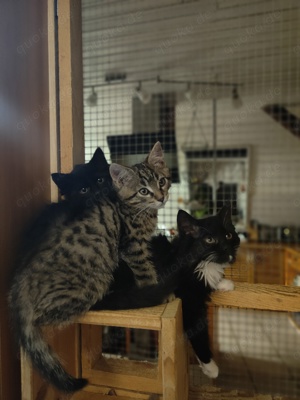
225,214
98,160
120,174
187,224
156,156
60,181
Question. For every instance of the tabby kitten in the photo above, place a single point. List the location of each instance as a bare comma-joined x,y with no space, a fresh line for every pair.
71,265
143,189
192,265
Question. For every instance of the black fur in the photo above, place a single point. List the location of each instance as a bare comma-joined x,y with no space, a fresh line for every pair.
176,263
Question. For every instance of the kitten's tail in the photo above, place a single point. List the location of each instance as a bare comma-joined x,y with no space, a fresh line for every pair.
45,361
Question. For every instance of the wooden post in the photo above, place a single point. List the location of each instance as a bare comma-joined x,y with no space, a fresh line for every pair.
174,354
70,84
69,141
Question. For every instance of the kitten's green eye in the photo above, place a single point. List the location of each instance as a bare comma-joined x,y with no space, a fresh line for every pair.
228,236
210,240
84,190
162,182
100,180
144,191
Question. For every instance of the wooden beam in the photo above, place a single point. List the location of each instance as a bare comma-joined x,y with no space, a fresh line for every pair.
245,295
143,318
53,101
173,353
70,84
260,297
207,392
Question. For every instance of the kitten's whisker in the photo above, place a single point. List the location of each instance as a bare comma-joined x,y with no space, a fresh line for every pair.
140,211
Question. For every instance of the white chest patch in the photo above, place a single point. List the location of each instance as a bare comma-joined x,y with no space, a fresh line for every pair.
211,272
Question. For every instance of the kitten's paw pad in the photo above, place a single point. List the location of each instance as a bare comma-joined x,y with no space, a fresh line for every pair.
170,298
211,369
226,285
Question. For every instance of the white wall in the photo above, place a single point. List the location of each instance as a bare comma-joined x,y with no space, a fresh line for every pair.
274,187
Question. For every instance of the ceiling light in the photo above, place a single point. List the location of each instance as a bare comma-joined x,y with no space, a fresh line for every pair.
144,96
188,92
92,99
236,100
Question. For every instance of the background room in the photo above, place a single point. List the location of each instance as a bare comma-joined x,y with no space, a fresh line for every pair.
217,82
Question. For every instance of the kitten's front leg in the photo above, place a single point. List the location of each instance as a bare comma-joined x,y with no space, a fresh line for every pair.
199,338
144,274
210,369
225,285
138,258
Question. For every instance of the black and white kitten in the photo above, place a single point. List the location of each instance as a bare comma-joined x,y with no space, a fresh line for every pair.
217,244
192,266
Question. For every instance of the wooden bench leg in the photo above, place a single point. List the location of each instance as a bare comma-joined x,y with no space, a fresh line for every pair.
174,354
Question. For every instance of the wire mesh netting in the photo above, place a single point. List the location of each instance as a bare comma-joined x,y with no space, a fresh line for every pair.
256,352
217,83
133,344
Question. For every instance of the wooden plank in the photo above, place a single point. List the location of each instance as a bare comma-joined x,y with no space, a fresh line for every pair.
259,297
97,396
126,374
174,354
119,393
144,318
53,101
91,346
26,378
70,84
181,359
207,392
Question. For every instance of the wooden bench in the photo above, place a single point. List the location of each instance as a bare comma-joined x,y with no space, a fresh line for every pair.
121,378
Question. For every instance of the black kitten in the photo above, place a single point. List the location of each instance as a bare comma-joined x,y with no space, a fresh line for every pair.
81,188
87,183
192,265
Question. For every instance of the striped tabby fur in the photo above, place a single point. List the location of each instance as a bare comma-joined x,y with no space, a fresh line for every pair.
74,247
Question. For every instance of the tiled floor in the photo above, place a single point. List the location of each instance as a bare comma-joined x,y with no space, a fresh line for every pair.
257,351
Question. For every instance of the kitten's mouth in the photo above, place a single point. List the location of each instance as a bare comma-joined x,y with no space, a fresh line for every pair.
160,204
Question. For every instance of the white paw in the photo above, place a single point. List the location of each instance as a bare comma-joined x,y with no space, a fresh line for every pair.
225,285
211,369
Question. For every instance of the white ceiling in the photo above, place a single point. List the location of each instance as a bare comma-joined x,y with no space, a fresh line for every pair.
252,42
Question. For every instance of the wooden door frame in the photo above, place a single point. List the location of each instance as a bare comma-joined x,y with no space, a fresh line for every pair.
70,79
66,150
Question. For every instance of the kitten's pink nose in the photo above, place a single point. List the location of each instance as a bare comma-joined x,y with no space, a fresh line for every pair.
161,199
